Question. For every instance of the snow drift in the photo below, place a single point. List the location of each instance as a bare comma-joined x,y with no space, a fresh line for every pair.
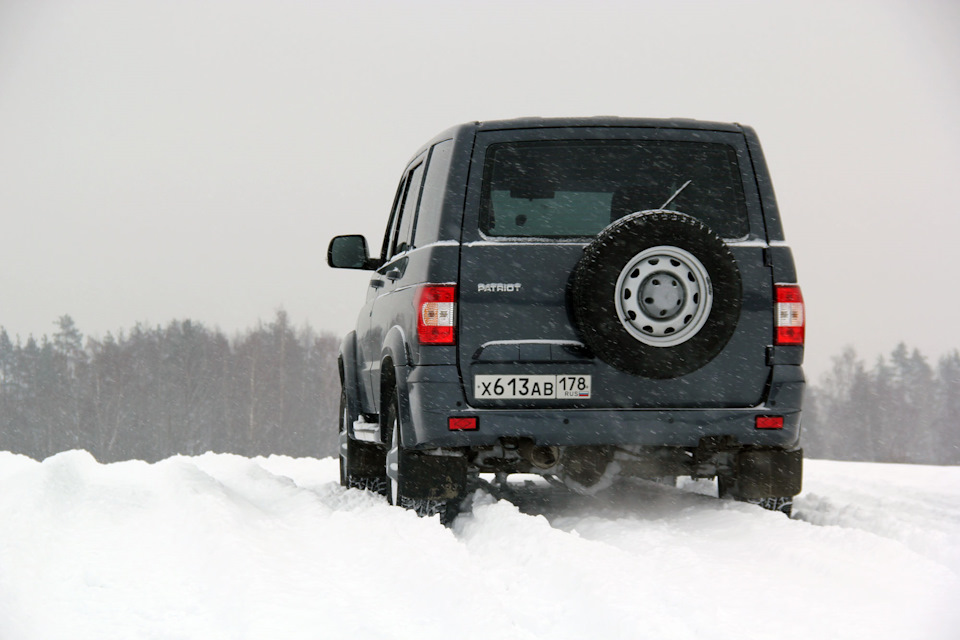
220,546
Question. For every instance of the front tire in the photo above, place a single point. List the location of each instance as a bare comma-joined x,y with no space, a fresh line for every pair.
361,464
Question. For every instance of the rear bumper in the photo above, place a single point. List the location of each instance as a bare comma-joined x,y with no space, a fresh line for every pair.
433,394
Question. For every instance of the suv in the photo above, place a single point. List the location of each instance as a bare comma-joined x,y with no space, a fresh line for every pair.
583,298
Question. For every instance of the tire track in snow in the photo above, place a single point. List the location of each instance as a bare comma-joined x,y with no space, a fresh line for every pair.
916,505
222,546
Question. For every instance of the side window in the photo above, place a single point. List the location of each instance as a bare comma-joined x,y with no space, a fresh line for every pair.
391,223
403,231
434,188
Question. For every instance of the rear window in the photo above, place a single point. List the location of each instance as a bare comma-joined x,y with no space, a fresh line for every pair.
575,188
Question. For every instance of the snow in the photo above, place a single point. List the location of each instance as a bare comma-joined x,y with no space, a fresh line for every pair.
221,546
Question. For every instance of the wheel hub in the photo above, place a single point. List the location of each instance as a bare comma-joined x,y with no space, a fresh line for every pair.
663,296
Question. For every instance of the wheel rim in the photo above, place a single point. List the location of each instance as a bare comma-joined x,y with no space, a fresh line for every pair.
663,296
393,463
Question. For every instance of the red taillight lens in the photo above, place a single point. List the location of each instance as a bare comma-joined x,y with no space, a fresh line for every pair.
462,424
769,422
436,315
789,319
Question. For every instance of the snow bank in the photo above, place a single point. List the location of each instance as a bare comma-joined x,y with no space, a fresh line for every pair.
221,546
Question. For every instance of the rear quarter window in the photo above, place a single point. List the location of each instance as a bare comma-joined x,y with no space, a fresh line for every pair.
434,188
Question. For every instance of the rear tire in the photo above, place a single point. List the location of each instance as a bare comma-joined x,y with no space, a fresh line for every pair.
400,467
727,488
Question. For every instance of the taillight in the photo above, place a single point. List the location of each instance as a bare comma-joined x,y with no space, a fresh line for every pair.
436,314
789,318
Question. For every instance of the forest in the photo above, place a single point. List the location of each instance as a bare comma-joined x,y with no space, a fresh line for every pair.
152,392
180,389
900,409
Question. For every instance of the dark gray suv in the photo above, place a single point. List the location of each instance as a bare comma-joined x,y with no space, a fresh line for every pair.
585,299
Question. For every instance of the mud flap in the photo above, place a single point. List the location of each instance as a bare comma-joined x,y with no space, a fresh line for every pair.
769,472
363,459
427,477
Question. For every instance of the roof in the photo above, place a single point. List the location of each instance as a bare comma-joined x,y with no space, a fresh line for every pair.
606,121
595,121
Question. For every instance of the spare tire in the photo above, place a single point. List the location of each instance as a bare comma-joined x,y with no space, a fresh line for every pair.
657,294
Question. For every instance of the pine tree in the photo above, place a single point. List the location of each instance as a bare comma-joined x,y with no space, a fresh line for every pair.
947,415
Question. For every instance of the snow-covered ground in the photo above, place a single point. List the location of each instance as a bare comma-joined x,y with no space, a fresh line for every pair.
221,546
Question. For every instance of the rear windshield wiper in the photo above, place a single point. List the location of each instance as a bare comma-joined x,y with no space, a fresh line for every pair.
675,194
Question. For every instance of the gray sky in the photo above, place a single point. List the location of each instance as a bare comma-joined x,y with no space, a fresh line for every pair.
192,158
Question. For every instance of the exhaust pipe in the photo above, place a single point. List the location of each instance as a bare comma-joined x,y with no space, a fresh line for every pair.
542,457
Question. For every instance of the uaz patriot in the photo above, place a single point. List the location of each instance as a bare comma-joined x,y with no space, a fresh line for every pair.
587,299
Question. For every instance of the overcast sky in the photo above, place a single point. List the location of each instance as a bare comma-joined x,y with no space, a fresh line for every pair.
166,159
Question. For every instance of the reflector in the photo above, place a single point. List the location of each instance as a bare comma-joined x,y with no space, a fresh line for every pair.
769,422
462,424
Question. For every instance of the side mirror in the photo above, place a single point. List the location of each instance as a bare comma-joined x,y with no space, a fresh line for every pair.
349,252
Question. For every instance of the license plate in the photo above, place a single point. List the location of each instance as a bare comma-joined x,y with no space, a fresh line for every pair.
562,387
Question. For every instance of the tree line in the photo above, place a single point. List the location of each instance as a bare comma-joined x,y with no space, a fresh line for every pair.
179,389
186,389
902,409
